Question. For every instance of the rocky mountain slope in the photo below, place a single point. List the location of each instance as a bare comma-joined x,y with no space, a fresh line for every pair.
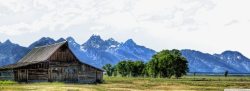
98,52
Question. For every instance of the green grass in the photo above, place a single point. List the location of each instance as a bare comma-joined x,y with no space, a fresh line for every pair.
198,83
186,83
7,82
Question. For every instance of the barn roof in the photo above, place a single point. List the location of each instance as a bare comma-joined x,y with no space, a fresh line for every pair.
40,54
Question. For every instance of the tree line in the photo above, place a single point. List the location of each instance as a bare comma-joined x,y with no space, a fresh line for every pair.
164,64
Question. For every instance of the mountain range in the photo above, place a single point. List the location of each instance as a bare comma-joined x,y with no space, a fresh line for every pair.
98,52
231,61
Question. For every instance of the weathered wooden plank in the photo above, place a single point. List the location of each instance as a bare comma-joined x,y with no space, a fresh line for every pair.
27,76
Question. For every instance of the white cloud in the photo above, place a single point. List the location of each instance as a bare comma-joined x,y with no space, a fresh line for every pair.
206,25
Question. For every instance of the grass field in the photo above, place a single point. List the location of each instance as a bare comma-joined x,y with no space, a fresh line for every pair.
198,83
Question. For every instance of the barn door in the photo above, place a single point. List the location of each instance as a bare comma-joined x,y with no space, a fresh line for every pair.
56,74
70,74
22,75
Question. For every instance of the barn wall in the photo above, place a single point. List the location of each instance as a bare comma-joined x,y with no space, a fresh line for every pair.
7,75
32,73
64,66
99,75
88,74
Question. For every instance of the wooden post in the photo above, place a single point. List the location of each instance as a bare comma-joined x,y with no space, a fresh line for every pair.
48,64
95,75
27,75
18,75
49,75
78,73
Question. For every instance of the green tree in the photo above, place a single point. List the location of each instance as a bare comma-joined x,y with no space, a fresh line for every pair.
138,68
129,67
109,69
180,67
122,68
145,70
152,67
115,70
167,63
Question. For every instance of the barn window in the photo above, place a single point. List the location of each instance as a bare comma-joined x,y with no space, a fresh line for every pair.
0,74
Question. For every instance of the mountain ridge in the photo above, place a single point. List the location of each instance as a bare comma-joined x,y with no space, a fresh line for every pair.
10,52
205,62
98,52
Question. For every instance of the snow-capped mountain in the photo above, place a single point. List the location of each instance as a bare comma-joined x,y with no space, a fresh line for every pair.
41,42
94,51
102,52
98,52
11,53
231,61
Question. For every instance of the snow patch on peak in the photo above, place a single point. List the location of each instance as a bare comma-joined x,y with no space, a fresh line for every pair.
231,61
238,57
112,46
82,49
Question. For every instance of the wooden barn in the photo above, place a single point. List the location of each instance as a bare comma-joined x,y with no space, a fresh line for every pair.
50,63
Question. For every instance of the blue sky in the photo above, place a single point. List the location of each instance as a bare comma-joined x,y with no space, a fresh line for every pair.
207,25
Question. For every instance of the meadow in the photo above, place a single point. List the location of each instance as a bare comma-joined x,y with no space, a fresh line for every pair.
190,83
